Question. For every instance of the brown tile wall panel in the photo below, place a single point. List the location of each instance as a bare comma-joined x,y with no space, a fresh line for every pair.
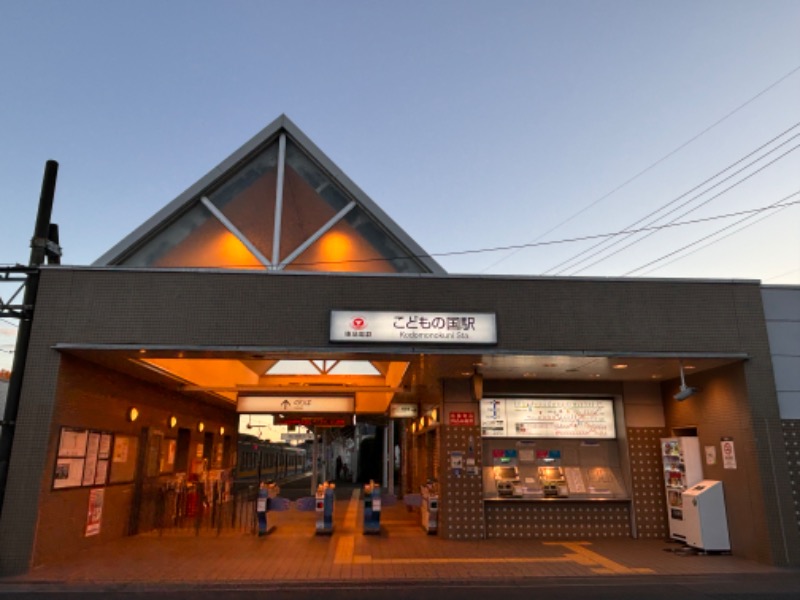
555,520
90,397
461,500
649,502
791,437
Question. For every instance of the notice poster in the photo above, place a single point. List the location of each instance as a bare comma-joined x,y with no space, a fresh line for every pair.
94,515
69,473
90,467
72,443
728,453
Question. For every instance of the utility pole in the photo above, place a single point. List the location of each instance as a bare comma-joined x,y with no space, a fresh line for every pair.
42,246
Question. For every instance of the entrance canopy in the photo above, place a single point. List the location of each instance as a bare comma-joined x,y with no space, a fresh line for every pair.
251,381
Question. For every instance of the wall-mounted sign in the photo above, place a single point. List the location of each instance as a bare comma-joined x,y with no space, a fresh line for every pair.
307,404
413,327
297,437
461,418
403,411
310,421
728,453
586,418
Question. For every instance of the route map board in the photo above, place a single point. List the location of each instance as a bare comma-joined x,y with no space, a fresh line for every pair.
575,418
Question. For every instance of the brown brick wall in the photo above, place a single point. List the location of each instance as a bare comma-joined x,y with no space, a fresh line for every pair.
91,397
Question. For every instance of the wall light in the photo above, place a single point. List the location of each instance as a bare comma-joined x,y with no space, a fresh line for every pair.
132,414
172,421
201,426
222,431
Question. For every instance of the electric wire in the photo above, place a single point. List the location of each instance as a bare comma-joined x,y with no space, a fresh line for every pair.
784,274
548,242
656,163
695,188
776,206
691,210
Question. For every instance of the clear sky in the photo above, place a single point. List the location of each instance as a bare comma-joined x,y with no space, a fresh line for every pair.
474,124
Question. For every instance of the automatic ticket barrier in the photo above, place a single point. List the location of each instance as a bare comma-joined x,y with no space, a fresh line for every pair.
372,508
429,509
266,492
324,508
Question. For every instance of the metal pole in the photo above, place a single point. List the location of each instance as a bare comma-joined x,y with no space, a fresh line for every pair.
38,252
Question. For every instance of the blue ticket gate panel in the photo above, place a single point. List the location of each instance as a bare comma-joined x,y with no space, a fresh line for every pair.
372,509
324,508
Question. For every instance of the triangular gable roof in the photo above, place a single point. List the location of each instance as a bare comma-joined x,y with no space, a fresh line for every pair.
410,255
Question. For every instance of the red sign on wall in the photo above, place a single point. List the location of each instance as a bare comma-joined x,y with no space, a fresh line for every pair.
464,418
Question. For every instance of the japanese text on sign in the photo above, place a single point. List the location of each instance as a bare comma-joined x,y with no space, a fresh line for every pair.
548,418
374,326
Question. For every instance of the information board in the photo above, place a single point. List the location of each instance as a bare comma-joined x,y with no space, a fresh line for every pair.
583,418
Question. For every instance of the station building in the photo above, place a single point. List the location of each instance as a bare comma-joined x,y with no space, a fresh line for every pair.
140,365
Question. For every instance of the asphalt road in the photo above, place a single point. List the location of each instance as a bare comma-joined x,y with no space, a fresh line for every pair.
780,586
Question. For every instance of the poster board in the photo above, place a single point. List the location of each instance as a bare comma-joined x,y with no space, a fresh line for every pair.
81,458
123,458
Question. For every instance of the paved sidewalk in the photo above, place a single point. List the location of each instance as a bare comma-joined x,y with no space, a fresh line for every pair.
293,553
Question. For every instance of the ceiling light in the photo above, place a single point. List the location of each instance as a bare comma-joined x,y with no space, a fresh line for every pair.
619,366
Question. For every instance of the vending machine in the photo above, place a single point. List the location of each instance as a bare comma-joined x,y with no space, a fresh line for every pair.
682,469
704,517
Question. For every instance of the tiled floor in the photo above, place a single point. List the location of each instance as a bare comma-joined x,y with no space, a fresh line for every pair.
292,552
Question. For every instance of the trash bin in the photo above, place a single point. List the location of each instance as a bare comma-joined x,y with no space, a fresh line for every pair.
372,508
324,506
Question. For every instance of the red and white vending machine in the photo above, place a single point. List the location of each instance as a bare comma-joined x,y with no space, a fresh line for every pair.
682,469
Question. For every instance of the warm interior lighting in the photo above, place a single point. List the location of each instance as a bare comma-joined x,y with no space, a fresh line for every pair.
620,366
335,246
234,254
201,426
133,414
172,422
222,431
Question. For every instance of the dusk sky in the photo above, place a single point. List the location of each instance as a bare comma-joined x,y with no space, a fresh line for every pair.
474,124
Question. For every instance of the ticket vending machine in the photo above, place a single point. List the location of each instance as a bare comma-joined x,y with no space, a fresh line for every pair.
704,517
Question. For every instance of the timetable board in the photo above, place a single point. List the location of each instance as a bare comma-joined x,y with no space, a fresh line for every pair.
584,418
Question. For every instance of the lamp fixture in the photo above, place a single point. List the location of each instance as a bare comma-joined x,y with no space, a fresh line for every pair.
685,390
132,414
222,431
172,421
201,426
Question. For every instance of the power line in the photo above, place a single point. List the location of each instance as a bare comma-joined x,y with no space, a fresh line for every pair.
656,163
661,208
551,242
691,210
774,277
776,206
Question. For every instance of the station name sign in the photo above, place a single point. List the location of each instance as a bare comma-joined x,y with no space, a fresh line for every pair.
295,404
413,327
